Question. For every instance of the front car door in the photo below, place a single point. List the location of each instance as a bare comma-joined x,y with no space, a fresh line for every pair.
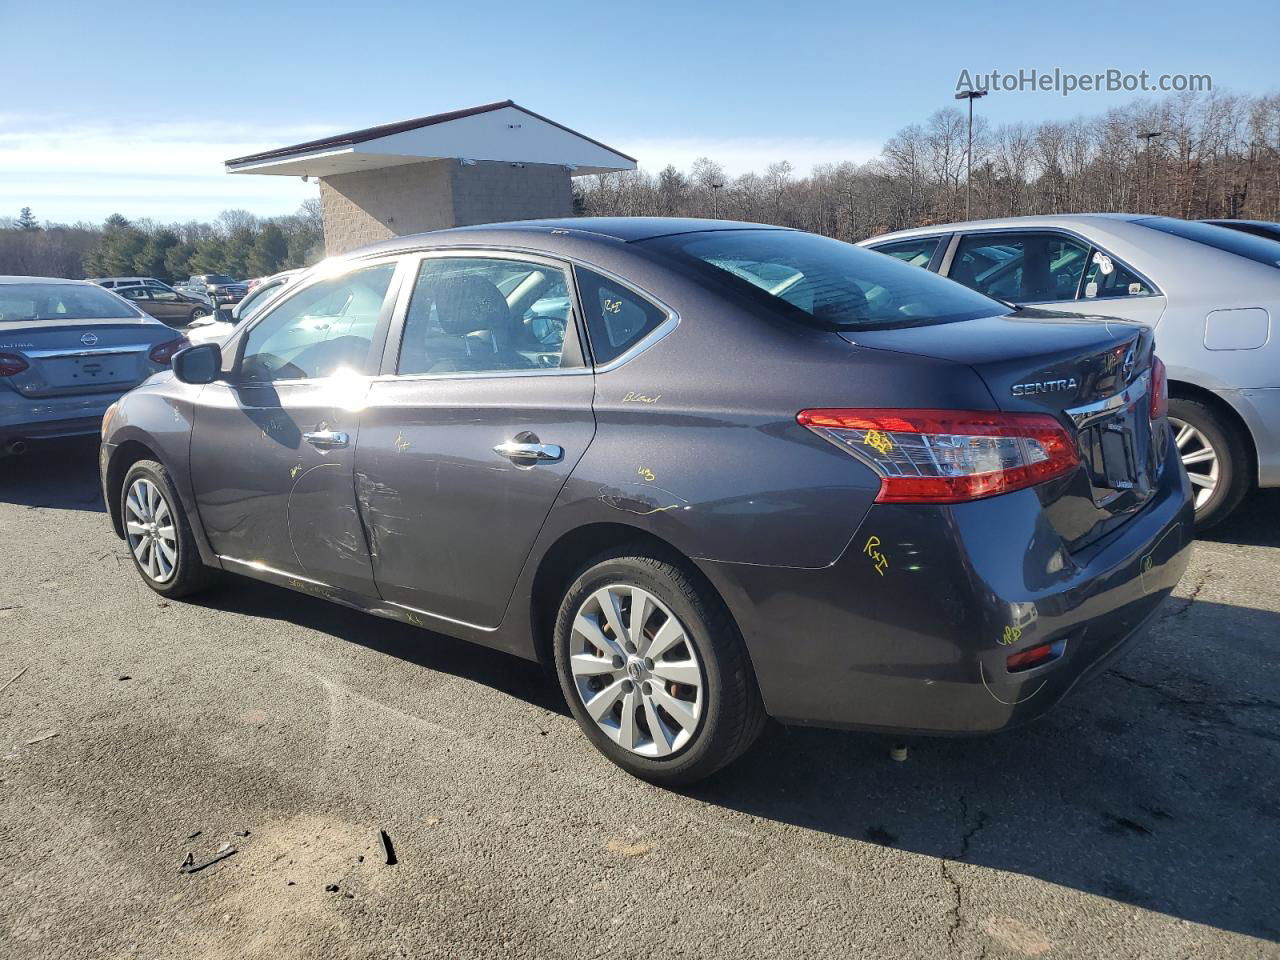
273,445
481,414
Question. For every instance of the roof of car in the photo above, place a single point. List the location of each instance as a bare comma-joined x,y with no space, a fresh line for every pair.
605,229
1065,220
42,280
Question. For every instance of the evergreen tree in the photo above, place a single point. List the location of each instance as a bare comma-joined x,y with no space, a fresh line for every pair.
27,220
269,252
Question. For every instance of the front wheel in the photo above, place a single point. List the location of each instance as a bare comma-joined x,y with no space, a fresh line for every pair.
159,536
197,314
1215,456
654,670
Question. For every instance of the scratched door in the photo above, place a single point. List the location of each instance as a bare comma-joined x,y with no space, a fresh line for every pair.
466,440
272,469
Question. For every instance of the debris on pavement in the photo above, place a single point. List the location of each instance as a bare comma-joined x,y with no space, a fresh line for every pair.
388,851
330,888
13,678
192,836
189,866
43,737
188,861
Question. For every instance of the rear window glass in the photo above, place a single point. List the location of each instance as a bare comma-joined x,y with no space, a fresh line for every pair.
59,301
824,282
1257,249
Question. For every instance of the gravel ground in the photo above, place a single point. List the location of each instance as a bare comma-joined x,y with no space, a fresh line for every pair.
1140,819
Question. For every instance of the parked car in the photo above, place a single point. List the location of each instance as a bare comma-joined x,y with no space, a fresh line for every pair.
220,288
1209,293
1259,228
873,499
168,306
216,329
68,349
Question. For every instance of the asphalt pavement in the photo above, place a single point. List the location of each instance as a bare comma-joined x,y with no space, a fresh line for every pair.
1139,819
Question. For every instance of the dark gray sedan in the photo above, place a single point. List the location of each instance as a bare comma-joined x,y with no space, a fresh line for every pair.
68,349
709,472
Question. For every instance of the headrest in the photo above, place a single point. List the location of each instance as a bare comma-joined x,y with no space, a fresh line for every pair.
467,304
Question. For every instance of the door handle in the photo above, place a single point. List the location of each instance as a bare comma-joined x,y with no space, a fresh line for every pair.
545,452
326,439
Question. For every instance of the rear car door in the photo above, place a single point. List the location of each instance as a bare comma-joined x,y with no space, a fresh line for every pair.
273,446
481,414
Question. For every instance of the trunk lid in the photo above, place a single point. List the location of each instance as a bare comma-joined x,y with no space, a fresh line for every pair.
82,356
1092,374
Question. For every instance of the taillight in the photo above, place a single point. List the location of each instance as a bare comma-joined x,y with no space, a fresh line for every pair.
948,456
163,352
11,364
1159,389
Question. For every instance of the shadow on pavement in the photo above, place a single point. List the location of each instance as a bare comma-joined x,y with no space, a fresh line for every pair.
1154,785
1256,522
62,474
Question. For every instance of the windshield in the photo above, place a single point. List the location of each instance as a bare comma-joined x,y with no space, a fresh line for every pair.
59,301
1257,249
824,282
218,278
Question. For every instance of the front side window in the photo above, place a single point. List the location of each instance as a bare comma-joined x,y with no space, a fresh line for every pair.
917,251
325,328
820,281
485,315
1021,267
616,318
133,293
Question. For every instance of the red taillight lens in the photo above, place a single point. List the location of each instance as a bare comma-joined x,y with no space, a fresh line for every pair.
11,364
1033,657
1159,389
948,456
163,352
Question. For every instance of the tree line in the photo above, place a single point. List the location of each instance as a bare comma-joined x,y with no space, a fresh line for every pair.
1189,156
237,243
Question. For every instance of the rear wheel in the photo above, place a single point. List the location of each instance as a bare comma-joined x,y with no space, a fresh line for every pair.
159,536
197,313
654,670
1216,458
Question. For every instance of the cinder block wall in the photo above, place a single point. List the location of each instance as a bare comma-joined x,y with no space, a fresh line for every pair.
371,205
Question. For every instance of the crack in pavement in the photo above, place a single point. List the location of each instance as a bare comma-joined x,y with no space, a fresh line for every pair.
1180,611
957,895
1212,712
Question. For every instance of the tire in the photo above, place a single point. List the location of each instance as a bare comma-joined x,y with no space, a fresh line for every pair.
157,501
196,314
700,692
1200,427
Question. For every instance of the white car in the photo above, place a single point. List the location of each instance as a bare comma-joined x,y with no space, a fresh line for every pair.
215,329
1211,294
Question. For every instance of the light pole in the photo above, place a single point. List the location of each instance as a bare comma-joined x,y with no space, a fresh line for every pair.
970,95
1149,135
715,197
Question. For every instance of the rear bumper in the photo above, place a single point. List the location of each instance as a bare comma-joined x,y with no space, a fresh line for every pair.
41,418
920,642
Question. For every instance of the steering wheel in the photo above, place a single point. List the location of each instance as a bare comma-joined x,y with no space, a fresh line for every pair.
267,366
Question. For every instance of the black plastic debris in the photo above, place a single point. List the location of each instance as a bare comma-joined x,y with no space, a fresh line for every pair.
190,866
330,888
389,852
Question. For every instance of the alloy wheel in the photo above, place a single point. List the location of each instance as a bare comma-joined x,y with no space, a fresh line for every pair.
149,524
636,670
1199,457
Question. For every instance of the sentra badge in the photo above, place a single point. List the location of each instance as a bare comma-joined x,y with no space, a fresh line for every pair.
1044,386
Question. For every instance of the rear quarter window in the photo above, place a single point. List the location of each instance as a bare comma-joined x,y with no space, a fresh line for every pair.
616,317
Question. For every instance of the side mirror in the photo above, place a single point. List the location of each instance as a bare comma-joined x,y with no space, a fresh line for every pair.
199,364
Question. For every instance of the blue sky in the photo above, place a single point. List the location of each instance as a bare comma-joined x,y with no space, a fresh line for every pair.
133,106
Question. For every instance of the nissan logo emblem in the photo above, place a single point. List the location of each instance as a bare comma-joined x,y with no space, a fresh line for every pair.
89,339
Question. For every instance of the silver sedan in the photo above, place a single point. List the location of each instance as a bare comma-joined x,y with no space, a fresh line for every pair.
1210,293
